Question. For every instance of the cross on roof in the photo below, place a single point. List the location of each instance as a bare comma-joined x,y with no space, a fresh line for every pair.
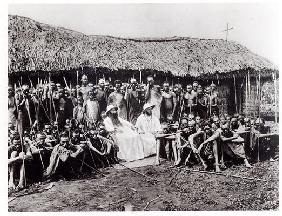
227,30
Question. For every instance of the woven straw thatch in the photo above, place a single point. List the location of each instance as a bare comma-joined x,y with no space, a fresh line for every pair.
35,46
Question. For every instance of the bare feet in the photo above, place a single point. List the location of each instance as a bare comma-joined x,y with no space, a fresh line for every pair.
176,163
12,185
19,187
205,166
222,166
247,164
217,169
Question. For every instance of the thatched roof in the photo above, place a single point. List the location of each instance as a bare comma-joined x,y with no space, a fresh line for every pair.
34,46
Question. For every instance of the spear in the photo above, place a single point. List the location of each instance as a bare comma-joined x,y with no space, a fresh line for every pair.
50,99
31,85
66,82
77,77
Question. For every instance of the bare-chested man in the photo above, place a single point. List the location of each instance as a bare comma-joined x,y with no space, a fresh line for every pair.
190,100
18,154
214,99
92,108
133,101
117,98
202,103
231,143
168,102
102,95
84,88
195,87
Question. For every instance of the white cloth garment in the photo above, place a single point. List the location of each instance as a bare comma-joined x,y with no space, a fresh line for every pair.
147,126
128,140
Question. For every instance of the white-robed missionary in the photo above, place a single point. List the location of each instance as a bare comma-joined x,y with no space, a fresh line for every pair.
123,133
148,126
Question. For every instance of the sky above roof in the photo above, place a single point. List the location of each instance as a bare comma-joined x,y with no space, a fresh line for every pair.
254,25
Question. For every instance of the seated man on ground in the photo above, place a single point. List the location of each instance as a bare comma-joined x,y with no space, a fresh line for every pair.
207,152
18,155
184,148
231,144
60,160
171,139
41,152
263,143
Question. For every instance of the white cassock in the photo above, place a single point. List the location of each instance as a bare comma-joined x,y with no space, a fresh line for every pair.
147,126
128,140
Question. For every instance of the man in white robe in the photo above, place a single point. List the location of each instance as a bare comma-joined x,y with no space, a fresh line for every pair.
148,126
124,135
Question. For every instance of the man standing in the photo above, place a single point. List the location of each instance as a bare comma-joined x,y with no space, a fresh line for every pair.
195,87
190,100
117,98
12,107
26,111
148,126
214,99
84,88
92,109
168,102
63,108
202,103
78,111
153,96
101,95
133,101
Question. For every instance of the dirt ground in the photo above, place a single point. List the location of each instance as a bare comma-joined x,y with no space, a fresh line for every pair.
167,189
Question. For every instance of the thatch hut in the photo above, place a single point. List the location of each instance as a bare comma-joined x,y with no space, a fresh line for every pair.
37,49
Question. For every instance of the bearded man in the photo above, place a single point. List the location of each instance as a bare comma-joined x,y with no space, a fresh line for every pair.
124,135
148,126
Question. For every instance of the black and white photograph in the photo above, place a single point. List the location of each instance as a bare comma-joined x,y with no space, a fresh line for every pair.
142,107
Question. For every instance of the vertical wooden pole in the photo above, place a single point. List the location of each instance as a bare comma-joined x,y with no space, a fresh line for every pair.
140,76
235,93
246,97
259,115
96,78
275,97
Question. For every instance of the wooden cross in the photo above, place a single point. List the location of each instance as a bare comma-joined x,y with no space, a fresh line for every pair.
227,30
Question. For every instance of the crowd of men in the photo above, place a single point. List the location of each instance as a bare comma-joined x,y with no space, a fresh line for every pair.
55,130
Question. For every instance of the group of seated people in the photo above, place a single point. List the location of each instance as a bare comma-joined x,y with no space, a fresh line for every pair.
212,142
56,131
